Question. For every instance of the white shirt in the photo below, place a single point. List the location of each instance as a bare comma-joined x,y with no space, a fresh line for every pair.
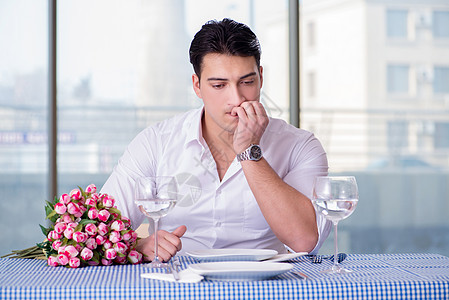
218,214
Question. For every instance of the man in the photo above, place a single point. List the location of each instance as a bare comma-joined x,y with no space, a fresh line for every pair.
249,175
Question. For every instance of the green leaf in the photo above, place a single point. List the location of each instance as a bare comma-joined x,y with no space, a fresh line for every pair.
87,221
79,227
44,230
52,214
113,210
83,193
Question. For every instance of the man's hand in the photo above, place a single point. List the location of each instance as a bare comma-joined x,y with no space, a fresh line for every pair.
253,121
169,244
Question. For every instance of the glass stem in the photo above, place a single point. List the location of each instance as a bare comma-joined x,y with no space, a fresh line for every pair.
156,225
336,245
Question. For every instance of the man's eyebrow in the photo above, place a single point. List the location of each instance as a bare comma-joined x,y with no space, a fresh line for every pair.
224,79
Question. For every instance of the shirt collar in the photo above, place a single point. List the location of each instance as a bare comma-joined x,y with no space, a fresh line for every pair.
193,130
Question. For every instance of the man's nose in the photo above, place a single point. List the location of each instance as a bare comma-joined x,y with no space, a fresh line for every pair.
236,97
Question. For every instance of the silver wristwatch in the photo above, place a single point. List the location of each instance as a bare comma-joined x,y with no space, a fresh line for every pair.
253,152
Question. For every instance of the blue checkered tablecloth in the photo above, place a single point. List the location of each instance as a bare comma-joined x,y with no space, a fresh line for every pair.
375,276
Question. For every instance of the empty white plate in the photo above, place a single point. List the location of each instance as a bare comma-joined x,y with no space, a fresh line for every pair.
240,271
229,254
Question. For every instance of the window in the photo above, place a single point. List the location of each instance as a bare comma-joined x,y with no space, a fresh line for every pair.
311,34
441,80
311,84
440,24
122,66
441,135
397,23
397,79
397,136
397,150
23,122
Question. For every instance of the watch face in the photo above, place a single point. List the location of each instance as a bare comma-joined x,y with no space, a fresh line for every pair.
255,152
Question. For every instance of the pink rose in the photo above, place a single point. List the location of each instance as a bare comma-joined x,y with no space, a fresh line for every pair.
52,261
134,257
91,243
90,229
68,233
90,201
127,236
107,244
60,208
73,208
53,236
100,239
120,247
78,247
74,262
91,188
75,194
134,236
103,215
61,249
92,213
60,227
120,260
115,237
79,237
56,244
87,254
67,218
126,220
64,199
106,262
102,229
110,254
108,201
72,225
63,259
118,225
71,251
82,209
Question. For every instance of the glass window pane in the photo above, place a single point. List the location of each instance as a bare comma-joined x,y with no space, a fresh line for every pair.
441,80
395,146
123,66
440,24
397,79
397,23
23,122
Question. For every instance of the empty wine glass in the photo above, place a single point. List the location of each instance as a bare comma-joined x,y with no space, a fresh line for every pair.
156,197
335,197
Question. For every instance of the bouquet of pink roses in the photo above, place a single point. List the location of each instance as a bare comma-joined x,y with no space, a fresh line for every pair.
87,229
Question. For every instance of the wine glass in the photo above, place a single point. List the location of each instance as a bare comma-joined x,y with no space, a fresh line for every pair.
335,197
156,197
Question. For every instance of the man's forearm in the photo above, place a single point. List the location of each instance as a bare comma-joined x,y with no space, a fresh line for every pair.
289,213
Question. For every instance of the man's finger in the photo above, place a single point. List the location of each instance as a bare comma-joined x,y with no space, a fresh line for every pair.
179,232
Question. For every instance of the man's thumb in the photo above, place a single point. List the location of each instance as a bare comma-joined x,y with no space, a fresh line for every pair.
179,232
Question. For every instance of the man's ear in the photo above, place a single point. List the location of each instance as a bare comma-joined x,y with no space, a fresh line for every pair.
261,76
196,85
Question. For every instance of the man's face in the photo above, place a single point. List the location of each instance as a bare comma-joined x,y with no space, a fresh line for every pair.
226,82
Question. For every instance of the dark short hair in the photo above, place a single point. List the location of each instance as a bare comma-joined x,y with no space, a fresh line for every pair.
223,37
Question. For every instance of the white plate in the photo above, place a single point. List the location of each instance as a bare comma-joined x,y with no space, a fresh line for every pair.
210,255
240,271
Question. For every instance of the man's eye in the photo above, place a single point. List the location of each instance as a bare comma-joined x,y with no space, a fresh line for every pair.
218,86
248,82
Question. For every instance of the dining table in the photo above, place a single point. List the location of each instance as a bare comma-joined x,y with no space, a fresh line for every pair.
374,276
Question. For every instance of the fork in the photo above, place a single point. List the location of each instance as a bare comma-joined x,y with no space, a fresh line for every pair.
317,259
